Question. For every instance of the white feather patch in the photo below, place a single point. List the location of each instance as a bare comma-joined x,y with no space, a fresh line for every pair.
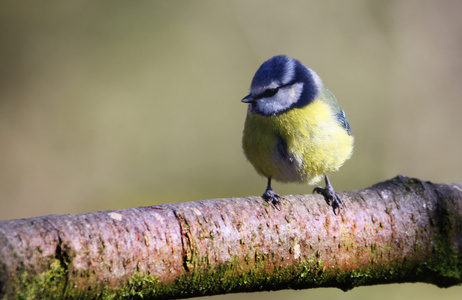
284,98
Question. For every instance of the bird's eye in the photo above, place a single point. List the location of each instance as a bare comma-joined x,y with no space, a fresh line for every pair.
270,92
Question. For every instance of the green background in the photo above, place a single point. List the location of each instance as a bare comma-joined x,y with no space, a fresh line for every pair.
118,104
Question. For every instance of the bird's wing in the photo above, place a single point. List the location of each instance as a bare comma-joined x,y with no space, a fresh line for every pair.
328,97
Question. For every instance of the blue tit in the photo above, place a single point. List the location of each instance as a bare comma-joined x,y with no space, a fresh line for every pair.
294,130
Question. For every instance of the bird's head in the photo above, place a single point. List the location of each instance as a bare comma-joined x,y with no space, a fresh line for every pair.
280,84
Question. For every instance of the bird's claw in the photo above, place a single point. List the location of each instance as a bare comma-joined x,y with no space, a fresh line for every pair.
271,197
331,197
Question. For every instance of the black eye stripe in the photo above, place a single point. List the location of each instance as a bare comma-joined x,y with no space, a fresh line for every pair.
270,92
273,91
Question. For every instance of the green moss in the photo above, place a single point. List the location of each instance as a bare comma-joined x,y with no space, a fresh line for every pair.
234,276
222,280
307,274
138,287
50,284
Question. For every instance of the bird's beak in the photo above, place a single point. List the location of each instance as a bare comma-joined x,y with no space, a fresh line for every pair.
248,99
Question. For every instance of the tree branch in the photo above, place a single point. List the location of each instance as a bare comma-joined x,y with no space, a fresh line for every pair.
401,230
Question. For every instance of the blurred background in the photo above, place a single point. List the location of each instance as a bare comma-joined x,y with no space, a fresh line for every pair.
118,104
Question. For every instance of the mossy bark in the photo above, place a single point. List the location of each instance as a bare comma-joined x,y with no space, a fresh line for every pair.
401,230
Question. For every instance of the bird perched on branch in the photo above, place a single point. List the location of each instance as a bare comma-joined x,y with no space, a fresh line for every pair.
295,131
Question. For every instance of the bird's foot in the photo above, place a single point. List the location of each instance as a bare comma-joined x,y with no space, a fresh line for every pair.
331,197
271,197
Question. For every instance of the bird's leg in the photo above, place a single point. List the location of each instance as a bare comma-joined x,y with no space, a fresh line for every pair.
330,196
270,196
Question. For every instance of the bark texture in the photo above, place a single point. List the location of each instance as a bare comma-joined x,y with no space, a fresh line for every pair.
401,230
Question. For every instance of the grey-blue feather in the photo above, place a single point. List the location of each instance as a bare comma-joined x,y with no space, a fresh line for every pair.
328,97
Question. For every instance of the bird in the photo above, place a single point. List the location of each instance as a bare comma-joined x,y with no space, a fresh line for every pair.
295,131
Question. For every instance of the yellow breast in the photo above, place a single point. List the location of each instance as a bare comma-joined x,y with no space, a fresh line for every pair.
314,140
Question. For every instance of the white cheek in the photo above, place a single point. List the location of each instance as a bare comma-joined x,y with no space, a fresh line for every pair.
269,106
284,99
289,96
296,91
